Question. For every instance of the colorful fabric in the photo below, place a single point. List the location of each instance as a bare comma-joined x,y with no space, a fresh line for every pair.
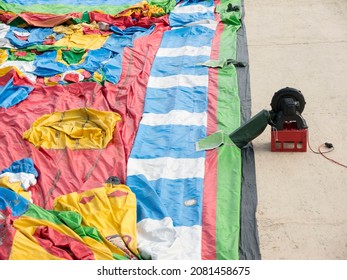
23,38
64,171
25,67
22,55
70,231
19,177
111,210
91,90
65,7
75,38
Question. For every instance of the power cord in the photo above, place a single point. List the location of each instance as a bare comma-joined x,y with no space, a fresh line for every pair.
326,145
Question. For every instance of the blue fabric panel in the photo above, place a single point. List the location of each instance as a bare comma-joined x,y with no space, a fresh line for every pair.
47,66
17,204
206,3
113,69
25,165
180,19
164,198
148,202
117,43
173,192
179,199
176,141
37,36
195,36
179,65
134,31
93,60
11,94
160,101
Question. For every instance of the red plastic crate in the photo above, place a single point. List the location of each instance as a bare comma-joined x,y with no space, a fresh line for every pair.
288,140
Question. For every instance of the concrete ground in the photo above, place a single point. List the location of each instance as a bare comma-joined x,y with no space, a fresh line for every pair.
302,197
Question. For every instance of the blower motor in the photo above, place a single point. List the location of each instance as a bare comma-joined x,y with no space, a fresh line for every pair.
287,104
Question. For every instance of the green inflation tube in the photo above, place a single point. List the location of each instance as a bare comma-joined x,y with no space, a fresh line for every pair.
251,129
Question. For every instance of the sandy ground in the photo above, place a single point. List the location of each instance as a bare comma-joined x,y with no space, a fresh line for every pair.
302,197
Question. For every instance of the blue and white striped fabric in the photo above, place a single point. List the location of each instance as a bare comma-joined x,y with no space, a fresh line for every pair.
164,169
190,11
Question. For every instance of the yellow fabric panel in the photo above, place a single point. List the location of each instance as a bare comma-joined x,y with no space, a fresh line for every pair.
112,210
74,37
3,56
75,28
86,41
97,76
5,70
25,242
143,8
49,82
15,186
25,246
83,128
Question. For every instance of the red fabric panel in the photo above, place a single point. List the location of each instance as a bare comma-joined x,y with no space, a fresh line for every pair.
20,53
61,245
49,42
86,74
23,38
6,16
44,20
7,232
88,30
128,21
71,77
55,78
208,245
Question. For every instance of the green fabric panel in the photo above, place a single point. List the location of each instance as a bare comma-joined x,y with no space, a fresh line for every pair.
228,205
69,218
229,156
28,57
92,232
85,18
73,56
220,63
167,5
44,48
229,16
119,257
73,220
60,9
251,129
39,213
212,141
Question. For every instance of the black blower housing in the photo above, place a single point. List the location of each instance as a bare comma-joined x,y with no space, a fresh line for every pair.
287,105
